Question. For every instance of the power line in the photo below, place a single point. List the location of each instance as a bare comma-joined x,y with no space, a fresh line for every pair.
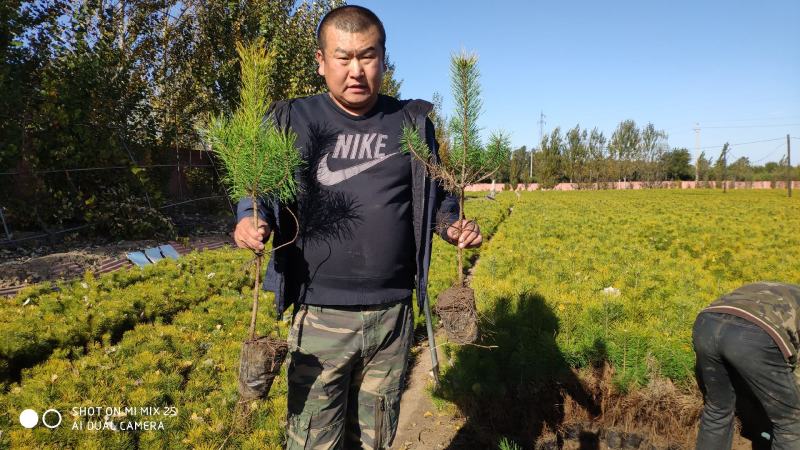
758,119
742,143
757,126
770,153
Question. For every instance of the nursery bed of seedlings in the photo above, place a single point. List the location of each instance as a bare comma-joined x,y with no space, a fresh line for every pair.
165,385
613,280
39,320
164,336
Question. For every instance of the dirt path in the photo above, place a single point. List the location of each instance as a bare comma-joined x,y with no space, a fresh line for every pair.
420,425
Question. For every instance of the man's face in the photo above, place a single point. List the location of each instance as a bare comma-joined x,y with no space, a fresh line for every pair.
352,64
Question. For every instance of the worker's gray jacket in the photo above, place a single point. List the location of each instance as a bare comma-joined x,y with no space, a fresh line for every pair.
431,205
775,307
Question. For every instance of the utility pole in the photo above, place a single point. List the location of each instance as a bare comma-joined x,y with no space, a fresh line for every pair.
725,168
789,165
541,125
697,150
541,133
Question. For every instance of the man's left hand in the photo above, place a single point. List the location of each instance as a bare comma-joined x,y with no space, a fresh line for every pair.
465,234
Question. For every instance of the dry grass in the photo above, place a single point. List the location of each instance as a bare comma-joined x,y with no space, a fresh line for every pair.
659,411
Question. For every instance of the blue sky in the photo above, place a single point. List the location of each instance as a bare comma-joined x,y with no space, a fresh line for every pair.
733,66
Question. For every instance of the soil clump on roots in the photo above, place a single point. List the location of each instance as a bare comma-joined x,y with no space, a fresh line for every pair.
459,316
261,361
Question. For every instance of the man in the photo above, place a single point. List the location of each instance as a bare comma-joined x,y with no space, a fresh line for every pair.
750,334
366,213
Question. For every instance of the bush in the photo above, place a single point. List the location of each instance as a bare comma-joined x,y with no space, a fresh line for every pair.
188,369
118,213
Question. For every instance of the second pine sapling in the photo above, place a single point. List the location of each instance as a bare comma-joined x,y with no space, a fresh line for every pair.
466,161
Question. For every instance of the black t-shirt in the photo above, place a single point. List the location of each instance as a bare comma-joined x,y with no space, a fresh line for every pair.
356,244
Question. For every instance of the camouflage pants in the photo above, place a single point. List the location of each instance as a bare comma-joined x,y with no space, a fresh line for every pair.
346,373
730,349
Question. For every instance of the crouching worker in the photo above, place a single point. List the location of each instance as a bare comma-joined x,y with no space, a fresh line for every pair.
749,334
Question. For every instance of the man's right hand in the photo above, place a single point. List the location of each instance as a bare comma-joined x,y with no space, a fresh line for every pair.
246,235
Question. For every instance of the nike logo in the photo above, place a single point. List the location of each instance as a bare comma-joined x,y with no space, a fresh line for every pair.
327,177
359,146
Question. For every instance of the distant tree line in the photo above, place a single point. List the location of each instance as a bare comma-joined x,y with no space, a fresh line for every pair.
631,154
122,84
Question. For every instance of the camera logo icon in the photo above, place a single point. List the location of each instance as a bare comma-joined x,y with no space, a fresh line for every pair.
30,418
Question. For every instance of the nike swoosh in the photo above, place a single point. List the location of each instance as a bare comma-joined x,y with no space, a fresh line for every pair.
327,177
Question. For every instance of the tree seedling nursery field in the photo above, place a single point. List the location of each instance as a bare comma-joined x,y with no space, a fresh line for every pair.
568,280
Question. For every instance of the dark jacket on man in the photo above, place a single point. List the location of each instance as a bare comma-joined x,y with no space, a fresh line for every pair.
432,207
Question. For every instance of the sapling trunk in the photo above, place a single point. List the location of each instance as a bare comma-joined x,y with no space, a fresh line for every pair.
256,286
460,229
467,140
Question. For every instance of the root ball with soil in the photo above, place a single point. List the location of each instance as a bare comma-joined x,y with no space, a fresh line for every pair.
456,307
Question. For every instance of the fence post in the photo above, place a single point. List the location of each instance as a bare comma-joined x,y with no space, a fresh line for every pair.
5,227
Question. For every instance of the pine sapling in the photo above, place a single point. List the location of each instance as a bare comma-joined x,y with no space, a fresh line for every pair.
260,160
466,161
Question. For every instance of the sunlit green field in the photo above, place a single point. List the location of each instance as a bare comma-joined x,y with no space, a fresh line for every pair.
568,279
164,336
578,278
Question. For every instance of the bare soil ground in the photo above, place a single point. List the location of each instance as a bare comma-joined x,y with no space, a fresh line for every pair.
36,265
421,425
69,256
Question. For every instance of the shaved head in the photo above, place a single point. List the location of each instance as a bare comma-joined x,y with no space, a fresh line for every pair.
351,19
